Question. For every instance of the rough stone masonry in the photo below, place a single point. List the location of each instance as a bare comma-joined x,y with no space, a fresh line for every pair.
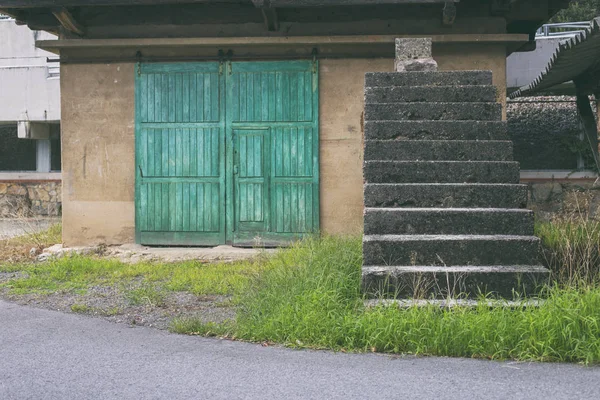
444,210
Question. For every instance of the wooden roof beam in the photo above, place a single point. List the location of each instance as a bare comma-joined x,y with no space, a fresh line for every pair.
68,22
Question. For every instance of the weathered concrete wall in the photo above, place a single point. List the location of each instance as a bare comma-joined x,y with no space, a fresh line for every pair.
98,141
98,153
461,57
21,199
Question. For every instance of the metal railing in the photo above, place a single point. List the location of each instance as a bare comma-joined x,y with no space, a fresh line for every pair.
566,29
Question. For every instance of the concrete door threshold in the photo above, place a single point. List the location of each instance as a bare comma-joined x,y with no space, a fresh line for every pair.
133,253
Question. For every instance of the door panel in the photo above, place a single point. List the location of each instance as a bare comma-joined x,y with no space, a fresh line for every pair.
249,170
280,100
180,145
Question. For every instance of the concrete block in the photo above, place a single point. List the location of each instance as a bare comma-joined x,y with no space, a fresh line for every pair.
441,282
408,94
448,221
455,150
428,78
450,250
433,111
445,195
436,130
441,172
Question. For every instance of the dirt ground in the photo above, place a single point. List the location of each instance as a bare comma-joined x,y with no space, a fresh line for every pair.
113,304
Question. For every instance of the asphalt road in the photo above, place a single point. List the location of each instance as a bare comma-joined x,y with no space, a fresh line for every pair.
51,355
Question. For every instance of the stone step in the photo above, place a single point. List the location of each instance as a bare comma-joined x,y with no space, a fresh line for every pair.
428,78
448,221
441,171
449,150
450,250
436,130
433,111
439,282
481,195
409,94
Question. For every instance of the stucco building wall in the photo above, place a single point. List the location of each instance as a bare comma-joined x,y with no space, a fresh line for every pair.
98,141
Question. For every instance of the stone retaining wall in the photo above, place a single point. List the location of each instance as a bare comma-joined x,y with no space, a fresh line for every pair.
30,198
570,197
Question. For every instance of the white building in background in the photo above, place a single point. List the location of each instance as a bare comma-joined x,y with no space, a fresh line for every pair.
29,105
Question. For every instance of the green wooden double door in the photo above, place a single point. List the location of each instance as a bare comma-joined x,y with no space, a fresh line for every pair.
226,152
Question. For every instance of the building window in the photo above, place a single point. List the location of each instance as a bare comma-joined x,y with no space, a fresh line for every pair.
29,155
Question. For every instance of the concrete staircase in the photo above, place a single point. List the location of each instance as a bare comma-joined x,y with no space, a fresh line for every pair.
444,213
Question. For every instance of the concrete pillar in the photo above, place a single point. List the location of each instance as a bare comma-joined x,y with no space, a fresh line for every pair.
414,54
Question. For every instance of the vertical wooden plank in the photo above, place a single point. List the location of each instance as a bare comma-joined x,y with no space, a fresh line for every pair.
208,205
308,152
157,98
193,217
143,217
157,188
185,97
177,158
308,96
166,207
279,96
280,207
165,97
165,152
200,97
185,143
294,96
172,206
294,151
151,207
242,155
148,154
215,102
286,152
272,97
243,97
200,150
157,150
143,152
264,90
150,98
193,103
143,106
216,152
301,208
300,93
179,102
300,151
172,97
249,97
257,97
286,96
208,101
294,207
286,207
200,207
310,227
216,205
172,152
185,214
193,152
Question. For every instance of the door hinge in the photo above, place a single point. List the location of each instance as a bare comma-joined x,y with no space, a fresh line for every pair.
221,61
314,60
138,56
229,57
141,173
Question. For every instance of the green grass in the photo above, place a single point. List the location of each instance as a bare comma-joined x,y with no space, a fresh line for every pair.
310,297
81,272
49,236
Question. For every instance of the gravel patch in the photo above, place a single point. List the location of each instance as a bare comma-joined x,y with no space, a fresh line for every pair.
113,303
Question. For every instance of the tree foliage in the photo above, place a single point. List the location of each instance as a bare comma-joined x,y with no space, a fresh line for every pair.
578,10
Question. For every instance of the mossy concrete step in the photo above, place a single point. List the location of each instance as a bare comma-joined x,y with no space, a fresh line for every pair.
436,130
428,78
441,171
408,94
433,111
450,250
448,221
484,195
507,281
448,150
